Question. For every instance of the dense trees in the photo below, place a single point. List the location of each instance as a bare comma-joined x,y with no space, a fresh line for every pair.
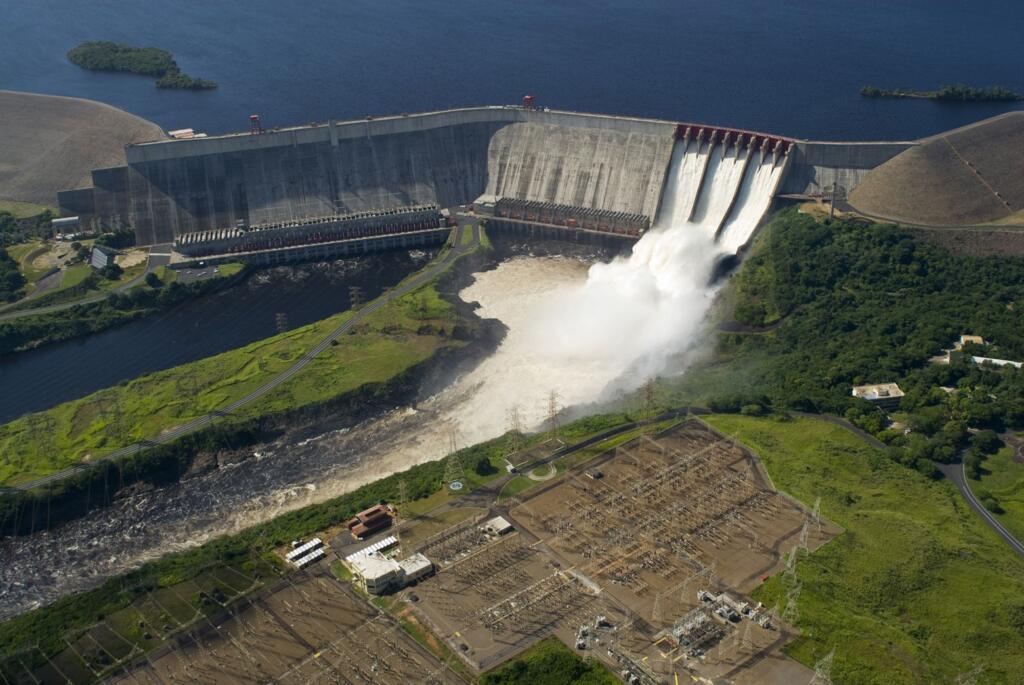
105,55
549,663
861,303
75,322
11,280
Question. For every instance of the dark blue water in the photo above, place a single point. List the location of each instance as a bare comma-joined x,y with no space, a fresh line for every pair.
789,66
38,379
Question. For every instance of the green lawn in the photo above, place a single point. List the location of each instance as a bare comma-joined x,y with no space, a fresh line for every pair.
1004,479
549,662
89,427
916,590
23,254
24,210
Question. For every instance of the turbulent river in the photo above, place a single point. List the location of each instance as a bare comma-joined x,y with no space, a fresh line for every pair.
288,475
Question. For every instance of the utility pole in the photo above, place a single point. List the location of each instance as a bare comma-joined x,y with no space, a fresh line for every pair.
514,433
823,670
453,471
553,409
649,395
355,297
403,498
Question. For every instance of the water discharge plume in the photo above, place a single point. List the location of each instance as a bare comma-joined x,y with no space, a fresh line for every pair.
633,315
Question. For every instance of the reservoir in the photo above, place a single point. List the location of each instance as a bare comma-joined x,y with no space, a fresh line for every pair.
789,68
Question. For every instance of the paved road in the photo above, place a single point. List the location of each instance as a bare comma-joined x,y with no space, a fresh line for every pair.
416,281
159,255
956,474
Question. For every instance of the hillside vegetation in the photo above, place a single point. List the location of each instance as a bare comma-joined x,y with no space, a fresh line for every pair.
848,303
103,55
916,590
549,662
400,335
11,280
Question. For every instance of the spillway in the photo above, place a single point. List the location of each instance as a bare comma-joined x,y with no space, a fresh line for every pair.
759,184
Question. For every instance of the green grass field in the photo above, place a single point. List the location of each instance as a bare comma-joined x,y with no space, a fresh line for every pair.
24,210
549,662
387,344
1003,477
916,590
23,254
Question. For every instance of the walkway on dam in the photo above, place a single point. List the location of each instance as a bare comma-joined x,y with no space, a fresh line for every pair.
425,276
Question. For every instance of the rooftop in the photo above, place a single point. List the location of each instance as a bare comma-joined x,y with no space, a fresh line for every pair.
879,391
374,565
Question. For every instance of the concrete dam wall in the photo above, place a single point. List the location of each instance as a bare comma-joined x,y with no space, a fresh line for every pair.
587,161
620,171
450,158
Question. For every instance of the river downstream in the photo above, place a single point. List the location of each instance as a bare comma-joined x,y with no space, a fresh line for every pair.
197,328
287,475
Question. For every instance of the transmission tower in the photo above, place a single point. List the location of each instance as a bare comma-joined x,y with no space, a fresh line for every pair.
355,297
553,409
453,471
823,670
790,573
804,534
792,613
514,433
970,677
281,322
403,499
649,396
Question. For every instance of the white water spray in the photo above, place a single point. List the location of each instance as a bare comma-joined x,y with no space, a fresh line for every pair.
633,315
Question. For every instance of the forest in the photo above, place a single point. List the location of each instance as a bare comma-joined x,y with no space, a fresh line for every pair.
843,303
11,280
103,55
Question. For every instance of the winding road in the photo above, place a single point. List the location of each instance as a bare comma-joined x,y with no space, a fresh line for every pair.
201,422
958,476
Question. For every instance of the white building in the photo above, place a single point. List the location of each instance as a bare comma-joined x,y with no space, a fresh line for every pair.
498,525
378,574
884,395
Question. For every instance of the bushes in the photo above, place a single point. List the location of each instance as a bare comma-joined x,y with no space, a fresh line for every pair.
118,308
11,280
549,663
103,55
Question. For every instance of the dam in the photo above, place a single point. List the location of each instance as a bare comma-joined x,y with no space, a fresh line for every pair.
570,171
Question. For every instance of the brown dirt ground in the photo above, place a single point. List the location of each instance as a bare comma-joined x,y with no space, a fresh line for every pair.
50,143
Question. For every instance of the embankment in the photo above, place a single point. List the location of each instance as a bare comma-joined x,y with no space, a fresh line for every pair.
233,441
965,177
50,143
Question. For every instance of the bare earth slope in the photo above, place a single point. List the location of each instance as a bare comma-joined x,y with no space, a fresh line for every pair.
50,143
969,176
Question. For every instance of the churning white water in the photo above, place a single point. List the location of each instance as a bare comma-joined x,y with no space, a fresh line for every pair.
633,315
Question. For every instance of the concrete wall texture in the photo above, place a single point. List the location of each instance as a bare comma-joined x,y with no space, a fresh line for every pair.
446,158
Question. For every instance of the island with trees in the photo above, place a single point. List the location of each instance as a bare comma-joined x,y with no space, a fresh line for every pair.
103,55
956,93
